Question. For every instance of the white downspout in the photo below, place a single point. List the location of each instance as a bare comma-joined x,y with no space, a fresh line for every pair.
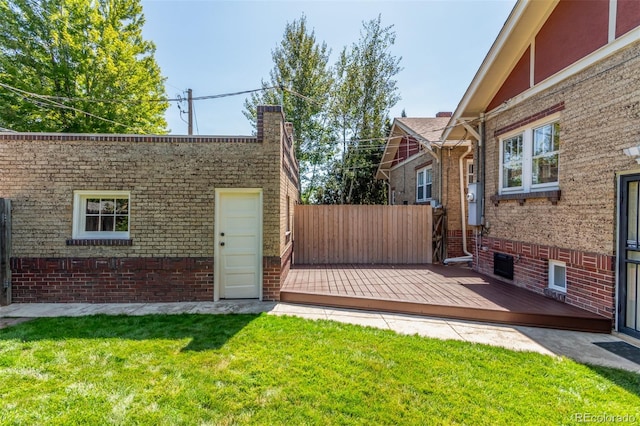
468,256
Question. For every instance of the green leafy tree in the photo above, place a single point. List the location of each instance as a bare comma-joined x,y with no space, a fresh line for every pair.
365,93
302,80
78,66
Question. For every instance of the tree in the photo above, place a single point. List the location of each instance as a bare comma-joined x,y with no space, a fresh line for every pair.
302,80
78,66
365,93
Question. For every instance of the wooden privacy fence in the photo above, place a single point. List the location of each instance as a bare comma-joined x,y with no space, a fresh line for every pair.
362,234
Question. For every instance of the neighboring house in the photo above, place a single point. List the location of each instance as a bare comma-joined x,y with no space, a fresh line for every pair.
124,218
555,111
420,169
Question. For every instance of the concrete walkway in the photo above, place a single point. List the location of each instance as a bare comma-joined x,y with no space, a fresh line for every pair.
572,344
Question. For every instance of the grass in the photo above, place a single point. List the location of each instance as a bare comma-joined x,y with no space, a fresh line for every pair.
263,369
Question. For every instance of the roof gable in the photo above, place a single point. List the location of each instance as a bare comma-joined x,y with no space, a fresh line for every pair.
542,40
424,130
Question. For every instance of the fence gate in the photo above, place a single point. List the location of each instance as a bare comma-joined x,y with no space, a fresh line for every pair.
342,234
5,251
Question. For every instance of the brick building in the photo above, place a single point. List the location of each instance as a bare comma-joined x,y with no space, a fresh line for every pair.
121,218
556,108
420,169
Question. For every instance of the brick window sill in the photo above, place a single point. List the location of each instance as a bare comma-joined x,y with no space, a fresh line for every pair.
100,242
552,196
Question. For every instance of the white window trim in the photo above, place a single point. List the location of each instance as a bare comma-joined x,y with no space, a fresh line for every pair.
470,162
527,158
425,199
551,284
79,217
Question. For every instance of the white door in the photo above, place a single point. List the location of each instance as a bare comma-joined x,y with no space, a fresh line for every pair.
238,244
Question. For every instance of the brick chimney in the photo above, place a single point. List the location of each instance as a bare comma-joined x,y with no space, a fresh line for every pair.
442,114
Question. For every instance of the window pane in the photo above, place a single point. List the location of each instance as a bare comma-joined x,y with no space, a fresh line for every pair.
428,190
421,193
542,138
91,223
545,169
512,149
122,206
122,223
512,162
428,176
93,206
632,214
632,285
106,223
559,276
107,206
556,136
420,178
512,176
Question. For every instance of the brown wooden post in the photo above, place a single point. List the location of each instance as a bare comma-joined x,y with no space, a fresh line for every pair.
5,252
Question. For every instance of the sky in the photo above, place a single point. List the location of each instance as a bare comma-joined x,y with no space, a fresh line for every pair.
217,47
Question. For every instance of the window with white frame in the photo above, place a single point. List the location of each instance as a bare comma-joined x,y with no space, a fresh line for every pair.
529,159
471,174
101,214
557,276
424,180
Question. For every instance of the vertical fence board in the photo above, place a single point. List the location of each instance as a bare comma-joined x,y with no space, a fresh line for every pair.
362,234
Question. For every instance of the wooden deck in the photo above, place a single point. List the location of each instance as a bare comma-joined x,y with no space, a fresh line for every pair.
433,290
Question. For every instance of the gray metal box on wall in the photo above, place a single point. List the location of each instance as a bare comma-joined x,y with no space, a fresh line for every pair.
475,199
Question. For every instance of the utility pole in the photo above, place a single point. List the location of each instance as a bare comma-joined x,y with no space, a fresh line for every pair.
190,109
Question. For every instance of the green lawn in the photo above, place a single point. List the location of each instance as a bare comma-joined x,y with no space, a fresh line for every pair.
263,369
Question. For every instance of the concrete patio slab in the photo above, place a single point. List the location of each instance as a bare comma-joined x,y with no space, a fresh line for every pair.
572,344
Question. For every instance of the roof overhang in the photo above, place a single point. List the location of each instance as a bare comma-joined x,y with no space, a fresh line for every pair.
524,22
400,130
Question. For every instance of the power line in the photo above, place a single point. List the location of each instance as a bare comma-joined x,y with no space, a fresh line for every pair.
195,116
306,98
107,100
28,95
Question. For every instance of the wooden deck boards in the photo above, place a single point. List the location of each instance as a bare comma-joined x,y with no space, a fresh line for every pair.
433,290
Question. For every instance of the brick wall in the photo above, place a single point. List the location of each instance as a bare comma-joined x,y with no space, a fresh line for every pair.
590,276
403,178
598,119
451,187
172,182
445,170
454,242
112,280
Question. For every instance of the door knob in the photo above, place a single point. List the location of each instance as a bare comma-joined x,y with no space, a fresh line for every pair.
222,243
222,234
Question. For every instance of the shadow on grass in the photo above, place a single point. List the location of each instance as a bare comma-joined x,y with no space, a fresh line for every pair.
204,331
629,382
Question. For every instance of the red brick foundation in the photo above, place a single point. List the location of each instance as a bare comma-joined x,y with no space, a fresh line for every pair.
454,243
590,276
126,280
275,270
111,280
